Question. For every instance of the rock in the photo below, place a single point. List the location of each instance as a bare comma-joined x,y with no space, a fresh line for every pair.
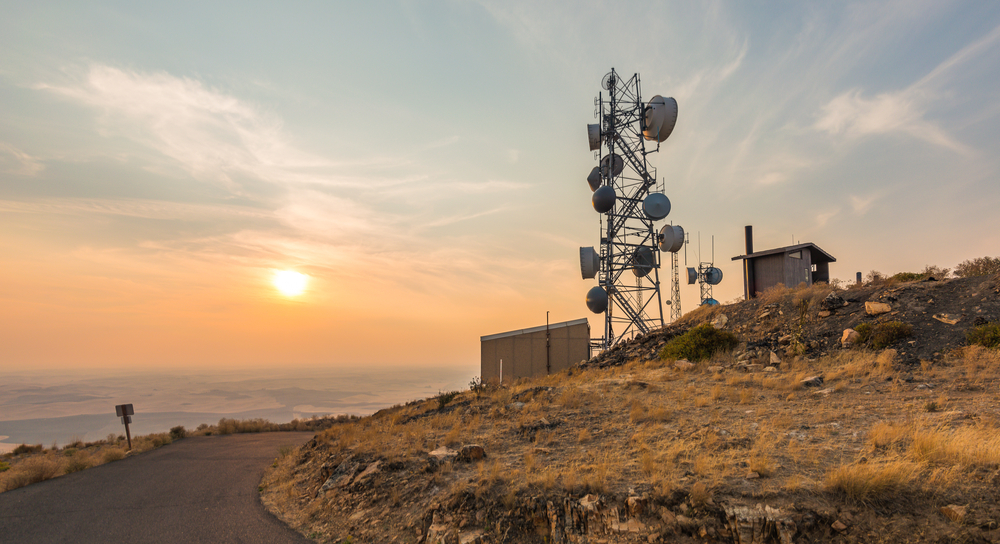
636,505
839,526
470,453
715,368
947,319
775,360
785,340
824,392
683,364
832,302
824,313
953,512
472,537
877,308
759,524
770,369
368,472
754,368
753,476
720,321
814,381
516,405
764,315
849,337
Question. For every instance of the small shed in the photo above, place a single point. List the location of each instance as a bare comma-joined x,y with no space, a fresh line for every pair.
789,265
534,352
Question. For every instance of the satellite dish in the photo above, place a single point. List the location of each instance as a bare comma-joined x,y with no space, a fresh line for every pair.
660,118
692,276
604,199
656,206
671,238
597,300
594,136
642,261
608,81
590,262
713,276
710,302
594,179
616,162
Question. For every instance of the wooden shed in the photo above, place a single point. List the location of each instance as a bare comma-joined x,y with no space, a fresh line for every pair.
534,352
789,266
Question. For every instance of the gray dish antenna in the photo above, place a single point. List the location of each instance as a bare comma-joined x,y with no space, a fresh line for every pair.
656,206
713,276
597,300
642,261
594,136
660,118
616,163
604,199
692,275
671,238
594,179
590,262
608,81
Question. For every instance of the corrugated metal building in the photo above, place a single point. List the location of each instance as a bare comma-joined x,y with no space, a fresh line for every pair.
536,351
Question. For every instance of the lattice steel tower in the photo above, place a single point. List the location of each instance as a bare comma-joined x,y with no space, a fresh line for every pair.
627,265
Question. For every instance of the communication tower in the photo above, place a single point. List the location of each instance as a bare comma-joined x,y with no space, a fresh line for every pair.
629,203
707,275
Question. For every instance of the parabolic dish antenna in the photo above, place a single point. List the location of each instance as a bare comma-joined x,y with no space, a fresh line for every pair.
604,199
661,116
594,136
616,162
594,179
642,261
590,262
713,276
656,206
671,238
597,300
608,81
710,302
692,276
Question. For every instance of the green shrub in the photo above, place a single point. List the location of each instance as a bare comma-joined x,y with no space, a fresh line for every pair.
882,335
178,432
444,398
24,448
987,335
699,344
76,464
983,266
906,276
4,467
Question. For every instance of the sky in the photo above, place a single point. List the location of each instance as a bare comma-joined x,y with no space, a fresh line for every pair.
425,163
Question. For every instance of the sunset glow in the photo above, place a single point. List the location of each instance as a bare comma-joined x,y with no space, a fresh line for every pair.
290,283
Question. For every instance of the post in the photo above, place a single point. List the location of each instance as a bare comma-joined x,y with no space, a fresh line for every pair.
548,361
501,371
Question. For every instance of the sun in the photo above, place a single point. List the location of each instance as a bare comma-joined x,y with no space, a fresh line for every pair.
290,283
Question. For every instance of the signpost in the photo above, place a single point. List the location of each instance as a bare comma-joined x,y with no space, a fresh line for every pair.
125,412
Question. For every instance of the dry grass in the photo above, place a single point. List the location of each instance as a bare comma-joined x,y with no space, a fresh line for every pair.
873,483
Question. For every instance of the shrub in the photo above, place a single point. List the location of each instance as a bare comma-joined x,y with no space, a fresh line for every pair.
883,335
873,483
982,266
178,432
77,463
112,454
24,448
906,276
444,398
4,467
699,343
987,335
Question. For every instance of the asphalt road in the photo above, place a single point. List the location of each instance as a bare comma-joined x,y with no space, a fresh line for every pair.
200,489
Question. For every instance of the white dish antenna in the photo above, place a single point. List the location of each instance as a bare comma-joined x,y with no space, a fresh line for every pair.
594,179
671,238
616,162
590,262
692,275
604,199
594,136
656,206
660,118
597,300
642,261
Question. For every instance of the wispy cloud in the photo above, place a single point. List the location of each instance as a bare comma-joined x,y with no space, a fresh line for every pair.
15,161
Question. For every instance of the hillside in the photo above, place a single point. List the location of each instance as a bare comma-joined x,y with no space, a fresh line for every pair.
789,437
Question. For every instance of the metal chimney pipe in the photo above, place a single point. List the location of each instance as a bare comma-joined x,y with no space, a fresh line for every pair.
749,237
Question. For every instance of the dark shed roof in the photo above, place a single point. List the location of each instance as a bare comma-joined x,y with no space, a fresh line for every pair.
817,254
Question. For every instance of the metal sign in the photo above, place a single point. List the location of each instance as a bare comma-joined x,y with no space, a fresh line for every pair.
125,411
